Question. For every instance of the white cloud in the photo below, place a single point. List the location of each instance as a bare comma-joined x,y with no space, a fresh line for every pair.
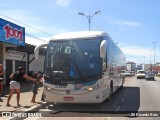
135,50
129,23
63,3
124,23
139,54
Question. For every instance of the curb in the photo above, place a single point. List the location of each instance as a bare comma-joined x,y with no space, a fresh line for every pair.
157,78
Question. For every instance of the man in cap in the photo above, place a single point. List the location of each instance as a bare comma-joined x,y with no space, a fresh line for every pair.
15,84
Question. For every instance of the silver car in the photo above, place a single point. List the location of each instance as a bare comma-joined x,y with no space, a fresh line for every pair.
149,76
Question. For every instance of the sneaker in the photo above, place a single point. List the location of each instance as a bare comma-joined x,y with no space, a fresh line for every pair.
19,105
1,100
8,105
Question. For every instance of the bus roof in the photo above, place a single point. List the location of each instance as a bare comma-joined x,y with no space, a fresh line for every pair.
78,35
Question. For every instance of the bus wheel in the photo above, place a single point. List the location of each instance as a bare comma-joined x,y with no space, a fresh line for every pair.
110,91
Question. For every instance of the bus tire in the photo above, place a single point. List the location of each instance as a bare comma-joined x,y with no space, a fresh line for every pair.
110,90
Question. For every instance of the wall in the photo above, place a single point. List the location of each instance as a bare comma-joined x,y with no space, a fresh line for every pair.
36,65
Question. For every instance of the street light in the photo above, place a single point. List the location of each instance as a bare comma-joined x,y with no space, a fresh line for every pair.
144,59
154,50
144,62
150,60
89,17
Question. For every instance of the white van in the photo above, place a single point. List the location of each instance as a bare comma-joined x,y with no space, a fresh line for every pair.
141,74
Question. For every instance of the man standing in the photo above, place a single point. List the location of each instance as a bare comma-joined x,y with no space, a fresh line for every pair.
15,84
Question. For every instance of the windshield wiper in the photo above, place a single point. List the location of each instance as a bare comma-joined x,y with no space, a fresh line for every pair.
77,68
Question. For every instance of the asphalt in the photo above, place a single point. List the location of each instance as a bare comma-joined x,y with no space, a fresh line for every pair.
25,99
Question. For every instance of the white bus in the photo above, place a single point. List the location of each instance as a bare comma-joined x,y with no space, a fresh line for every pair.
81,67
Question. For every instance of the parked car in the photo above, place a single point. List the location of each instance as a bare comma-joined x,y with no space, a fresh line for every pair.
126,73
149,76
132,73
141,74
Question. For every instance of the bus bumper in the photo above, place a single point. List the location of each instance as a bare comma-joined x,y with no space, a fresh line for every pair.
88,97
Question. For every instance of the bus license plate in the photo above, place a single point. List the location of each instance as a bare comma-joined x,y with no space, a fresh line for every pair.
68,98
59,86
69,86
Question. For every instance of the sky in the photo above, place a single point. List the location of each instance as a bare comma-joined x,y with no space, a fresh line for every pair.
133,24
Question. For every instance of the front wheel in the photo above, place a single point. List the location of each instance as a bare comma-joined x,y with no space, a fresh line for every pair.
110,92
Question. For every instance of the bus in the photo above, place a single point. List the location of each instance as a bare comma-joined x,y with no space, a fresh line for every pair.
81,67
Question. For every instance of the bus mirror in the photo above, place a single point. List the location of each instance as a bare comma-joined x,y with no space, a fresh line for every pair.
103,48
36,50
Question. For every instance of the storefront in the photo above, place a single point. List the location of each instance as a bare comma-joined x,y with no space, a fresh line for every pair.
14,52
11,35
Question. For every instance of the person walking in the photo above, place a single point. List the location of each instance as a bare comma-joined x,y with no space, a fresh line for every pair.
15,84
1,79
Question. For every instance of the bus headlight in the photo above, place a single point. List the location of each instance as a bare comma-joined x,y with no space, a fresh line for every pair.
90,88
99,85
48,88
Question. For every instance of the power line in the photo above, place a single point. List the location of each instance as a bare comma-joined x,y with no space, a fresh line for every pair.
26,25
74,2
35,37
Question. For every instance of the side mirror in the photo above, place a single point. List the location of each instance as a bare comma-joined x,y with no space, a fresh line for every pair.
103,47
36,50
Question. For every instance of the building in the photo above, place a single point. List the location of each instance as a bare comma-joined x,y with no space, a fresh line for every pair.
155,67
14,52
130,66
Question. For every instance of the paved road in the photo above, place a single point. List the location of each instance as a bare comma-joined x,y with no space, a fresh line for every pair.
137,95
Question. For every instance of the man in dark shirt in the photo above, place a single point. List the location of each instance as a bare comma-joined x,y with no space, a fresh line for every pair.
15,84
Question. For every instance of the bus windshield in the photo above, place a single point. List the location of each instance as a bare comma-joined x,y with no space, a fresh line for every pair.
73,59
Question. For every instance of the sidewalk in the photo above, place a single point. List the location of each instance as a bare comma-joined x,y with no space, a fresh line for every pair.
157,78
25,98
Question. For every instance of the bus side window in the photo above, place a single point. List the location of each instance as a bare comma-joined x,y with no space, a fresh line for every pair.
104,65
106,62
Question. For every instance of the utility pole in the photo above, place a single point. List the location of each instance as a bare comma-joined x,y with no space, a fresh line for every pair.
144,63
154,43
150,60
